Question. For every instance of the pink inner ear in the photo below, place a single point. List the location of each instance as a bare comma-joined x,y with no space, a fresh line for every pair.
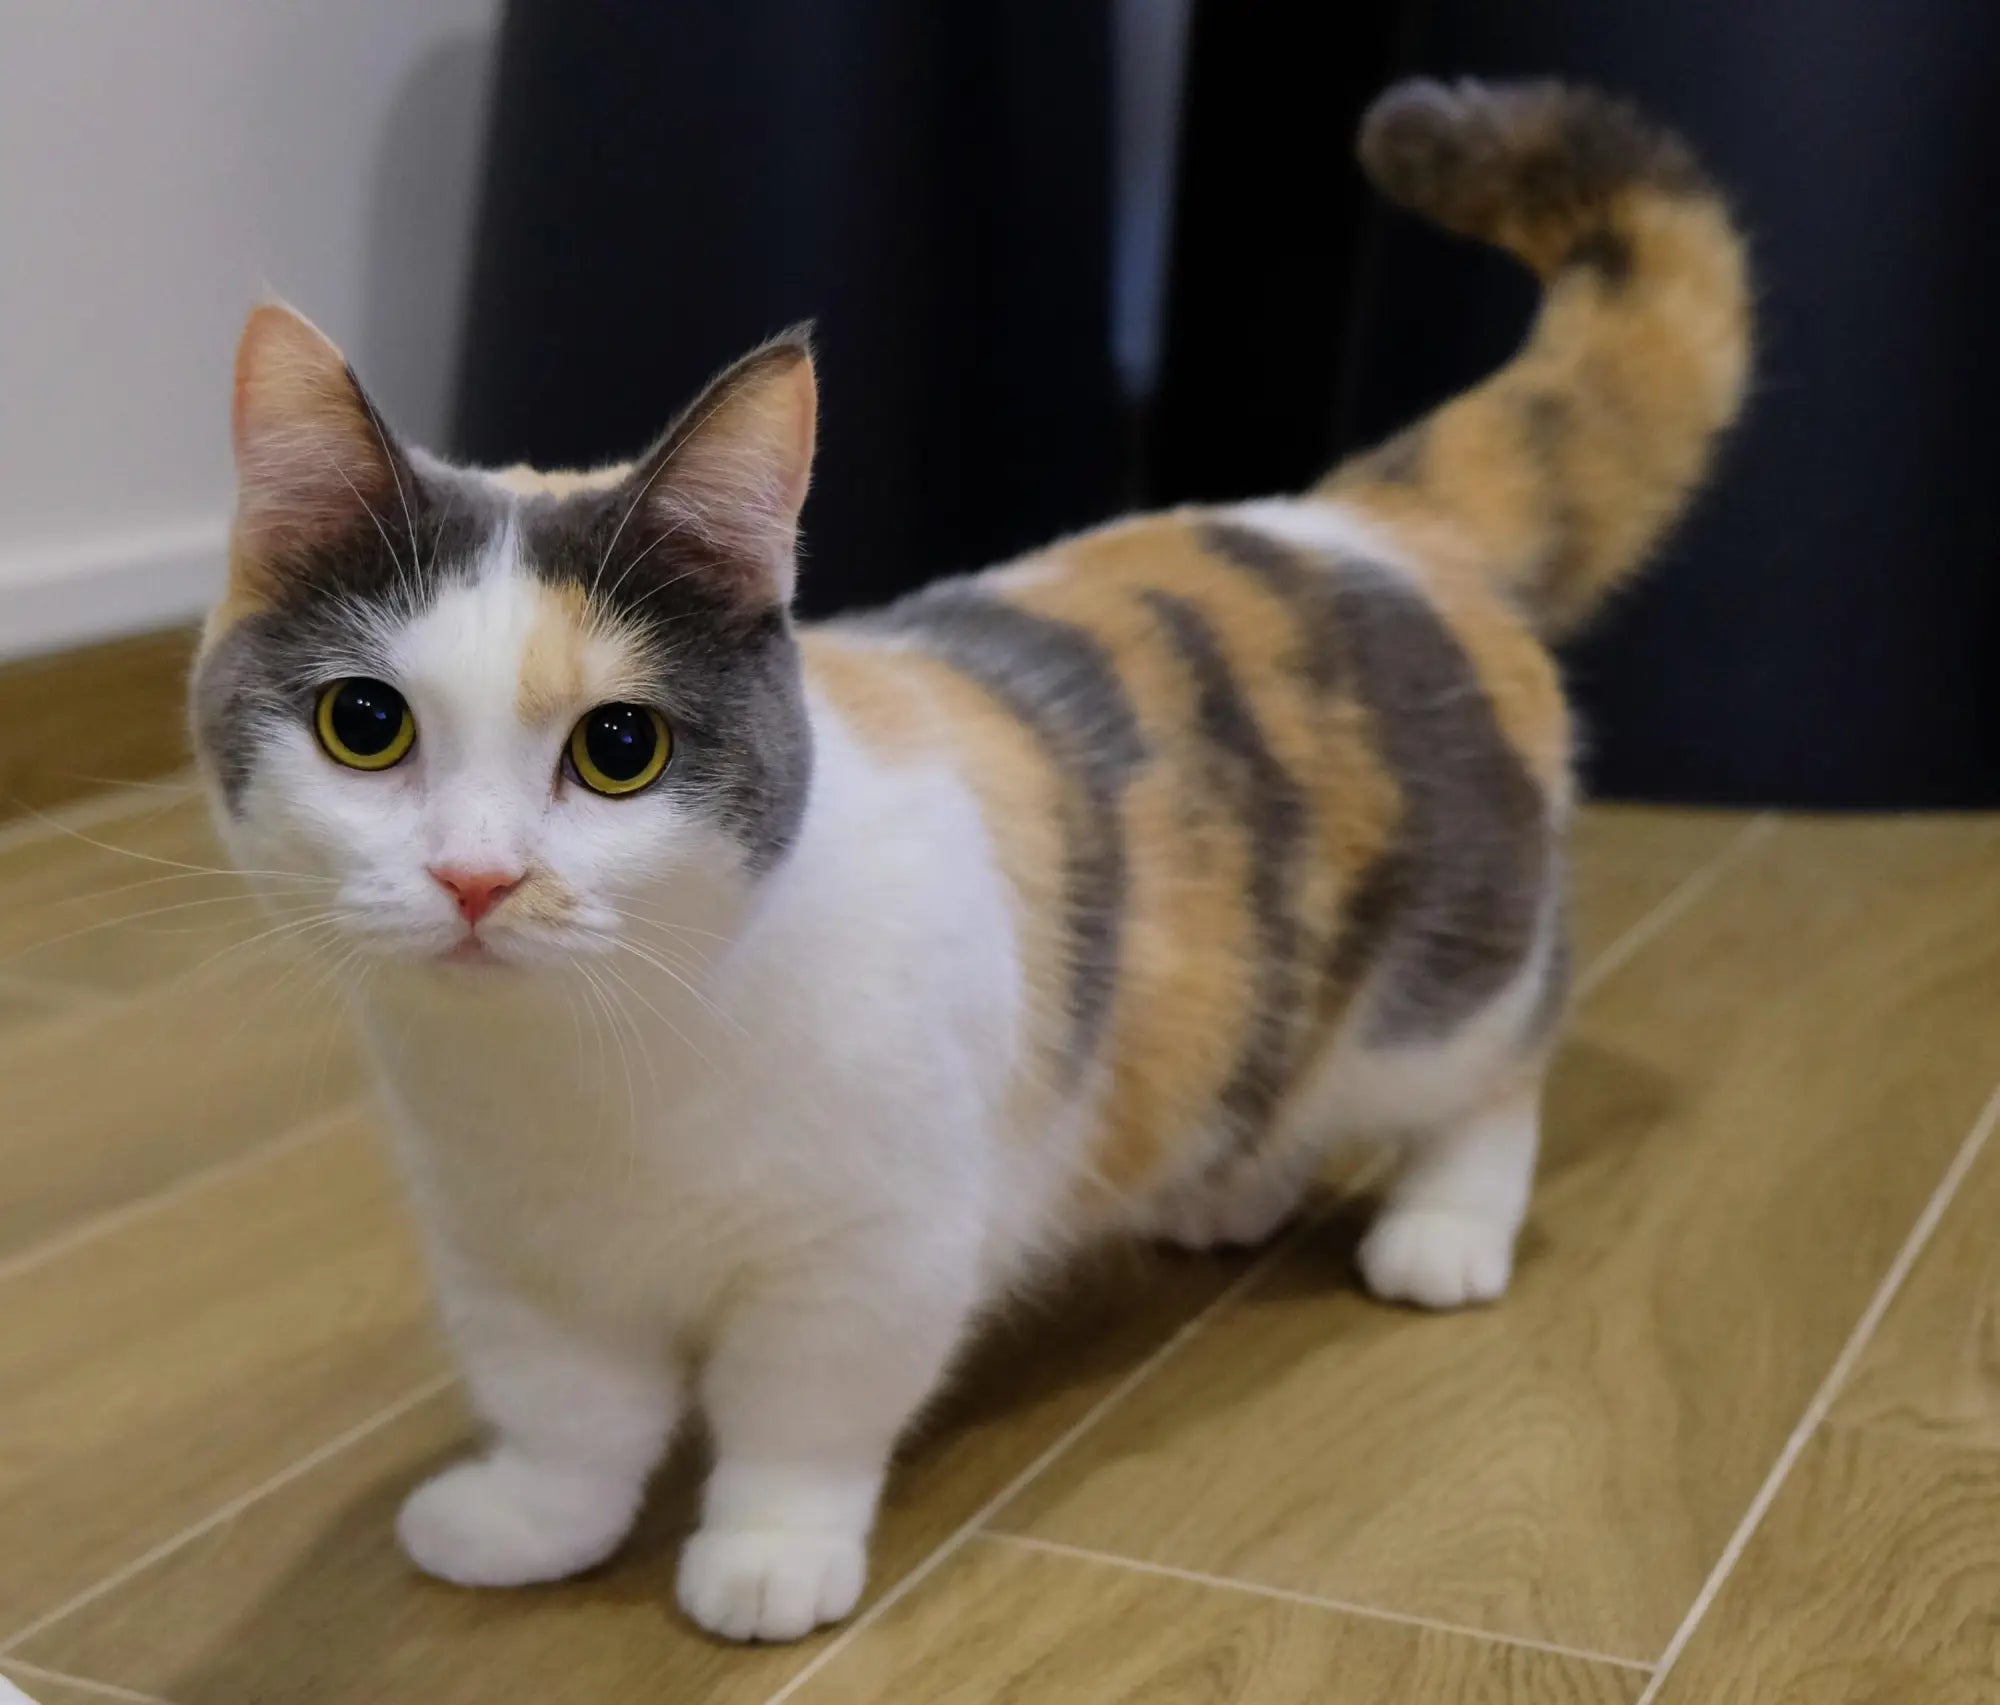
735,471
309,453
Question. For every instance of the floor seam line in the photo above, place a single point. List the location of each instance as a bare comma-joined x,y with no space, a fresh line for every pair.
1669,909
229,1510
84,1683
1316,1601
287,1141
956,1541
1914,1243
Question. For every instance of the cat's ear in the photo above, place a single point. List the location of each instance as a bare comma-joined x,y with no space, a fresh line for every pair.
731,473
312,456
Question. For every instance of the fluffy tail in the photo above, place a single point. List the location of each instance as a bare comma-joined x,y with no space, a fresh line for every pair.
1565,467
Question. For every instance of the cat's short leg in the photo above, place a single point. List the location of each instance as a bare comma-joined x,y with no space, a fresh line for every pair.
807,1392
1240,1203
1445,1234
579,1424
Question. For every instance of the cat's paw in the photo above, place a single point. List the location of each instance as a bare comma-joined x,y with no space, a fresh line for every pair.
1239,1210
1437,1257
504,1522
770,1585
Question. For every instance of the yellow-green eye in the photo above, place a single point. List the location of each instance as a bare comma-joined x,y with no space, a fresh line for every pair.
364,724
620,748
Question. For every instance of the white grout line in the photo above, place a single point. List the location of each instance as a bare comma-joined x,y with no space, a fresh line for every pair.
115,1219
110,1690
1830,1387
361,1429
1316,1601
1677,901
957,1539
1662,913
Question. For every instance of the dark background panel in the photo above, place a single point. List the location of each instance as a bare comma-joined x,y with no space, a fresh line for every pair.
668,184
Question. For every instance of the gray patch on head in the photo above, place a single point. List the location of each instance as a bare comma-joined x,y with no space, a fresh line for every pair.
333,598
724,670
1061,684
1257,791
1450,911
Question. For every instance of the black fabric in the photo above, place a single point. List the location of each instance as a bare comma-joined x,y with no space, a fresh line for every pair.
1822,631
667,185
1269,229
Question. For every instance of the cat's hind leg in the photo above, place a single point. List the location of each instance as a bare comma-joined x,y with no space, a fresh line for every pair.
1238,1202
1445,1234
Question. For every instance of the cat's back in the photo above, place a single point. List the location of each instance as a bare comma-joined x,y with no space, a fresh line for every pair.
1237,762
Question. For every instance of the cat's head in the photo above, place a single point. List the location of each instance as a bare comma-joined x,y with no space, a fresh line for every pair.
505,717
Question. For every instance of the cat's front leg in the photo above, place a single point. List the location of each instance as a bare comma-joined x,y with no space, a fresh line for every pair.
807,1392
579,1421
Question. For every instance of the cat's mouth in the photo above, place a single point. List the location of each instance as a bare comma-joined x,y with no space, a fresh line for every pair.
470,950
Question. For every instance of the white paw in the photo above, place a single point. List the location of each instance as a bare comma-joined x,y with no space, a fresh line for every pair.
770,1585
504,1522
1437,1257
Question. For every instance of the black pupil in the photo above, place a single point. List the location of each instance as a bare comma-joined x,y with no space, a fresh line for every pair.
366,716
621,740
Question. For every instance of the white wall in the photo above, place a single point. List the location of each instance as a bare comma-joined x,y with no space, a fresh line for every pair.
162,162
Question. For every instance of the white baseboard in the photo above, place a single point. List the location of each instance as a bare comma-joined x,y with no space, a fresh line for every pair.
104,588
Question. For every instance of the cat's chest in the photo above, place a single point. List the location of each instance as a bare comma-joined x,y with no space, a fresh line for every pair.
621,1179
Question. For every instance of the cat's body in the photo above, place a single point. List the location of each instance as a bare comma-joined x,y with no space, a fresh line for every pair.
1102,893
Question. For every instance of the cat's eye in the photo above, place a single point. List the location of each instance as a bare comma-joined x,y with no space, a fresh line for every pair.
364,724
620,748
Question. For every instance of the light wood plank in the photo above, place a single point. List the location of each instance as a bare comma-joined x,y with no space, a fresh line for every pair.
1005,1626
47,1689
137,901
109,1103
61,1690
19,1007
1873,1580
1744,1124
1934,1366
73,722
151,1374
305,1596
1628,859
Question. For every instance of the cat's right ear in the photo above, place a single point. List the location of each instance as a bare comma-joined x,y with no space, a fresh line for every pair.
312,455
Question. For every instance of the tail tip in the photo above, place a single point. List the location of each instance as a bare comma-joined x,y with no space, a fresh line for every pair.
1470,153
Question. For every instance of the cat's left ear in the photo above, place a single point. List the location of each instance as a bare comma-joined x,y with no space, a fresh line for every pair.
731,473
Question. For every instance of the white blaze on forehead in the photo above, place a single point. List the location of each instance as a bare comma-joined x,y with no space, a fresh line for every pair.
461,658
503,648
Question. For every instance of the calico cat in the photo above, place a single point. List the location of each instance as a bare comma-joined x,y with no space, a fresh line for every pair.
757,1007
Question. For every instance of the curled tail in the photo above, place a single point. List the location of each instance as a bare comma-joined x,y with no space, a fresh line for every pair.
1565,467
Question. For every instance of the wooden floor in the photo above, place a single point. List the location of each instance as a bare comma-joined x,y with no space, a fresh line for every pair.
1734,1437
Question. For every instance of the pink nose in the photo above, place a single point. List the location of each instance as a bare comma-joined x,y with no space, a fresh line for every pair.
476,891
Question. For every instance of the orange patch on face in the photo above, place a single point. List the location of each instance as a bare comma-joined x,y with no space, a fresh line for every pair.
555,675
542,898
523,481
